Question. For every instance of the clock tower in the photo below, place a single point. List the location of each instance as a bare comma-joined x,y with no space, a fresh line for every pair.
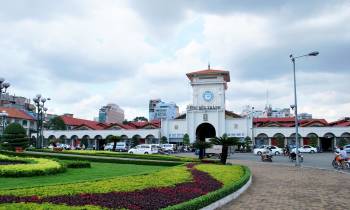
206,115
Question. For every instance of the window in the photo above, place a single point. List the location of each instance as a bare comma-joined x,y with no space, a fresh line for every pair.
176,127
205,117
24,123
273,147
306,146
235,126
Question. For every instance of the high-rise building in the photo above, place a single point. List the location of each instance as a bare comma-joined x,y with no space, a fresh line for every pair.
152,104
166,111
304,116
111,113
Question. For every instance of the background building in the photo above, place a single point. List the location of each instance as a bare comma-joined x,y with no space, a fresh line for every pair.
166,111
20,116
152,104
111,113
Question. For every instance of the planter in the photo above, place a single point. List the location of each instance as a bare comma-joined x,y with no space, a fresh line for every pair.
19,149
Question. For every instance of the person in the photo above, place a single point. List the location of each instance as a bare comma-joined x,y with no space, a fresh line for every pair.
267,154
343,155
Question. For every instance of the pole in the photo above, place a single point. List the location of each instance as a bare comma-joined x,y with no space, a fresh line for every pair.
297,163
37,126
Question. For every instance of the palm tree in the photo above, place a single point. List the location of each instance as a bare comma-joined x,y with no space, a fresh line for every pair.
225,141
201,145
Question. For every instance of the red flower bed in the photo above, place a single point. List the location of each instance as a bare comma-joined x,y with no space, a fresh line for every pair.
151,198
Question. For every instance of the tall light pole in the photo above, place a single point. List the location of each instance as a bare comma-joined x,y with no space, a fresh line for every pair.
41,109
295,106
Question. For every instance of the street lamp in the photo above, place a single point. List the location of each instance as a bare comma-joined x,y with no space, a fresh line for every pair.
3,116
295,105
41,111
3,87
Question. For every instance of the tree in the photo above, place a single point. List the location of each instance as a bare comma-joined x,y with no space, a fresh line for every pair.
343,141
225,142
14,136
164,140
186,139
114,139
57,123
201,145
135,140
140,119
280,140
247,143
313,140
125,122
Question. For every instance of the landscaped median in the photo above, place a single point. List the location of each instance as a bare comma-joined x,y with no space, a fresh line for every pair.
190,186
119,155
23,166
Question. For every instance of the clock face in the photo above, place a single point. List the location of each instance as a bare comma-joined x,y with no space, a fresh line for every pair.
208,96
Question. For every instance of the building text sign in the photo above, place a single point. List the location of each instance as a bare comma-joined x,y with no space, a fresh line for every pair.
192,108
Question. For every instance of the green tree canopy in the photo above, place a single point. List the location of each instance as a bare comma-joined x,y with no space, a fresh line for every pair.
14,136
164,140
186,139
57,123
135,140
114,139
225,141
140,119
201,145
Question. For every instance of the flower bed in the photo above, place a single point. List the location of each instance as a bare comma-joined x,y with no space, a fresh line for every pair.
174,188
29,167
44,206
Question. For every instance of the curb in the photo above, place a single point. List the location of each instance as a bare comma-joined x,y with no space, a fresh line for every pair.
230,197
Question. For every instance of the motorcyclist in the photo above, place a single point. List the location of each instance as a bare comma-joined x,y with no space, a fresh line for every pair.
267,154
343,155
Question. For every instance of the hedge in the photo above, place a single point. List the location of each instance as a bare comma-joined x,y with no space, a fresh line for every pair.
96,159
119,155
32,167
163,178
228,188
45,206
76,164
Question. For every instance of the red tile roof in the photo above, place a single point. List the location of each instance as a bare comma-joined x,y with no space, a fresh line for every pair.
226,74
71,121
16,113
287,122
341,123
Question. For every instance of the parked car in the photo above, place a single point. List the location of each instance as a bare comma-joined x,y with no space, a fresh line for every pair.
109,146
121,147
143,149
275,150
346,147
168,147
306,148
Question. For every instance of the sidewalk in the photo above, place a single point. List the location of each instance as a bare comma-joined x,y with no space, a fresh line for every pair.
287,187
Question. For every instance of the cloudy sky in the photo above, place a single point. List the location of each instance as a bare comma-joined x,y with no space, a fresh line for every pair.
84,54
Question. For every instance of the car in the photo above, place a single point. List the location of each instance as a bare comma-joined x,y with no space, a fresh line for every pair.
168,147
143,149
121,147
346,147
306,148
275,150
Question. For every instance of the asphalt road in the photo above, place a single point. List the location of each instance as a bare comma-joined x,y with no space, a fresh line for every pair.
316,160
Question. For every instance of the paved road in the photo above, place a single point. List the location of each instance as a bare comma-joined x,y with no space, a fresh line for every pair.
289,187
317,160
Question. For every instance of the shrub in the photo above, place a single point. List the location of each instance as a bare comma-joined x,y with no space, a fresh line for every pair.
163,178
232,182
14,136
32,167
77,164
44,206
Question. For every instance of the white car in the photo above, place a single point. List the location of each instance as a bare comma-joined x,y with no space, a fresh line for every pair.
168,147
306,148
275,150
143,149
121,147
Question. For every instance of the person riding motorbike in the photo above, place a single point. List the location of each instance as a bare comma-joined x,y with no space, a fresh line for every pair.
343,156
266,155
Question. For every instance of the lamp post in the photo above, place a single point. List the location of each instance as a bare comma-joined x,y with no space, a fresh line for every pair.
3,87
295,106
3,116
41,110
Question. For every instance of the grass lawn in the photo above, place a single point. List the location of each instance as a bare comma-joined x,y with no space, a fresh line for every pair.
97,171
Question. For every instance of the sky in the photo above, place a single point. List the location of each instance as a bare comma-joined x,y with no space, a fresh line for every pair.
84,54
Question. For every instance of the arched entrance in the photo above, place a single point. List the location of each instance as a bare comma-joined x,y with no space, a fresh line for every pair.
204,131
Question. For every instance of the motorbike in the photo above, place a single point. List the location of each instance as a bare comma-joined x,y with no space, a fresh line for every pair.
337,165
293,157
266,157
